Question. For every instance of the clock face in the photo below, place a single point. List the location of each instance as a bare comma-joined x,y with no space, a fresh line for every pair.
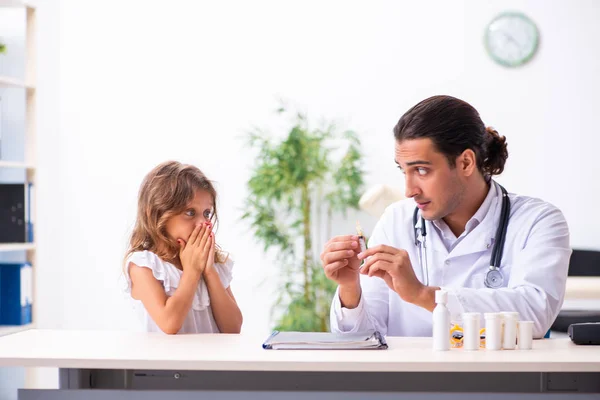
511,39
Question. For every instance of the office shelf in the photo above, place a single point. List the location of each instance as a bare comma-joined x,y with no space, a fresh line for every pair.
16,247
9,329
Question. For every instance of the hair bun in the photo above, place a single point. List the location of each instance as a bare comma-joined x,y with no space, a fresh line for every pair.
497,152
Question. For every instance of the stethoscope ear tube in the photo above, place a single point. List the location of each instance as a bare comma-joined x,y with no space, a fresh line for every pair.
501,231
422,229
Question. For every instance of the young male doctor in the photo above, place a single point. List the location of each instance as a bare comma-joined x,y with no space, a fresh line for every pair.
459,231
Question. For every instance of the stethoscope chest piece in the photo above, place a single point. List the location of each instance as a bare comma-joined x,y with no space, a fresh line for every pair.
494,278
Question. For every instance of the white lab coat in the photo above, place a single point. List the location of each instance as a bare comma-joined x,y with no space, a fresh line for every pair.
534,264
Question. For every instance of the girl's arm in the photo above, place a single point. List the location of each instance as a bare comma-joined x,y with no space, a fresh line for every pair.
225,310
167,312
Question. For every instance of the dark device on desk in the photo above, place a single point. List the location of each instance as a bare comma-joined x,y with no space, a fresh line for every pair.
585,333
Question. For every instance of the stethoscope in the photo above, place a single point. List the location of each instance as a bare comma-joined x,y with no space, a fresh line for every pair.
494,277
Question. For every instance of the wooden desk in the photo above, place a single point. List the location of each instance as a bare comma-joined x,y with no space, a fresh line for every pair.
126,363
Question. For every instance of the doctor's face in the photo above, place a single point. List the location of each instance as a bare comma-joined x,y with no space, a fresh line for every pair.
435,186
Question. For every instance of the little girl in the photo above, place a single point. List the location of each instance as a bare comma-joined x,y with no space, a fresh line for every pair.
177,276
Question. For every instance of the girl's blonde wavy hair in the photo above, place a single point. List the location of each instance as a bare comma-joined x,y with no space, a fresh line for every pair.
164,193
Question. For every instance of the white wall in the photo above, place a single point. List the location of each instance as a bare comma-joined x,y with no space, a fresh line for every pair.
142,82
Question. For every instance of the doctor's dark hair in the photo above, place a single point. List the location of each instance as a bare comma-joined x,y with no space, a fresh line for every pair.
453,125
165,192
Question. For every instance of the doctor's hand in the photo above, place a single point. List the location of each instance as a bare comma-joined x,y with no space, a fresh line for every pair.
339,260
394,267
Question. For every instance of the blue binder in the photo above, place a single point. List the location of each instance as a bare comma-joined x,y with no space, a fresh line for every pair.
16,293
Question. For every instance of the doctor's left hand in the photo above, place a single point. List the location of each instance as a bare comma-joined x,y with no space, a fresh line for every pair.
394,267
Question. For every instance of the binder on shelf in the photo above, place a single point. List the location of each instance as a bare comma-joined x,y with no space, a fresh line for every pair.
13,227
372,340
29,213
16,293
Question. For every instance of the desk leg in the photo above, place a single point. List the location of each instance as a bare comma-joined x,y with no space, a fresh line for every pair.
72,378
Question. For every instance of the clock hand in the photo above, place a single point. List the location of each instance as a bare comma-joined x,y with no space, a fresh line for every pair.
510,38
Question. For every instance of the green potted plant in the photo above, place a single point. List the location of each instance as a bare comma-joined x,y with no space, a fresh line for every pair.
2,51
296,180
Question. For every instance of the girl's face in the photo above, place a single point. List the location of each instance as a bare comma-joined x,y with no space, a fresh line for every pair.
197,212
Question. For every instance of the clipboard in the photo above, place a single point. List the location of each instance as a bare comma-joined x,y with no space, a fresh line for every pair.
372,340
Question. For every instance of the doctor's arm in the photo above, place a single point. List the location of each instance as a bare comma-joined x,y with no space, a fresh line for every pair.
370,313
369,309
536,288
